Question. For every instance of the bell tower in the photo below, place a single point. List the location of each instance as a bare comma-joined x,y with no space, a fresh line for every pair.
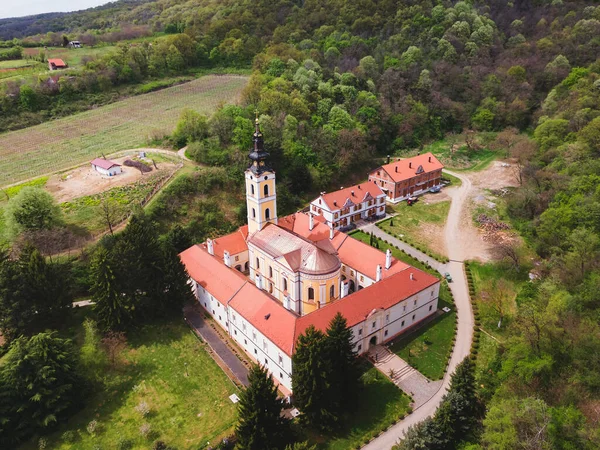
261,198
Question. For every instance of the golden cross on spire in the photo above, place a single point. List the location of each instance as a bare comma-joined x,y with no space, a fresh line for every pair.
256,114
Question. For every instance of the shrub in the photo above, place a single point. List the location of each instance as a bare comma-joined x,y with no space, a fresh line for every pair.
143,409
92,427
68,437
145,430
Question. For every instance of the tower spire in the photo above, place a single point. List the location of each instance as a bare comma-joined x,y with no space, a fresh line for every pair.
258,155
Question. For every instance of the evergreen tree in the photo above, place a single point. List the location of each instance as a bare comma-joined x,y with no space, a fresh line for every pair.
310,382
425,435
261,425
175,288
17,312
39,382
462,382
301,446
178,238
344,375
114,310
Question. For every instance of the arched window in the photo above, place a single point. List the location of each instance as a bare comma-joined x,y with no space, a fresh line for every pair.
266,190
311,293
284,284
253,213
257,263
252,189
267,213
270,272
331,291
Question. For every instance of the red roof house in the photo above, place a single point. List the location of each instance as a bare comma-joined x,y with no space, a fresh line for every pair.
56,64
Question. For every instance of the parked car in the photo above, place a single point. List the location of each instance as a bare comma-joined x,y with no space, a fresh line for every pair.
435,189
448,277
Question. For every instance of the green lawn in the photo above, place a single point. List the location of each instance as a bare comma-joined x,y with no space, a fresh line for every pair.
428,348
509,281
16,64
186,412
380,404
409,223
126,124
453,180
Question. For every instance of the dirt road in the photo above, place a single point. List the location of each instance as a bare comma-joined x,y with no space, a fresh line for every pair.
464,332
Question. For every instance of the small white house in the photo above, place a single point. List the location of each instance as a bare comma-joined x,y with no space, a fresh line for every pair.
106,167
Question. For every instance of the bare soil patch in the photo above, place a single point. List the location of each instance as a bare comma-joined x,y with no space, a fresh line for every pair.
85,180
476,243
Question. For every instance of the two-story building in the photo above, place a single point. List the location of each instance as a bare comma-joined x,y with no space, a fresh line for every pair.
407,177
346,206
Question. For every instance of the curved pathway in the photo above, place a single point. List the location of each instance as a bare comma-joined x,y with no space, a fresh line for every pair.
460,290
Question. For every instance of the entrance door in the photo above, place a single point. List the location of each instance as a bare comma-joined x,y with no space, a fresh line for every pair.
373,341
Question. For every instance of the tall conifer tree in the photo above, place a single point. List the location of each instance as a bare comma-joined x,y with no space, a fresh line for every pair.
114,309
344,375
310,381
260,426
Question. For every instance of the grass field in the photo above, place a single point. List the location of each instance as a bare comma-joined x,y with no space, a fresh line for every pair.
462,158
429,359
16,64
380,404
419,223
72,56
186,412
428,348
63,143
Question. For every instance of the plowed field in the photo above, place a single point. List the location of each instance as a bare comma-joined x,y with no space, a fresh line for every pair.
63,143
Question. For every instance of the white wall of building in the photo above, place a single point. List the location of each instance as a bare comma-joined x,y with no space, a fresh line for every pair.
114,170
382,324
260,348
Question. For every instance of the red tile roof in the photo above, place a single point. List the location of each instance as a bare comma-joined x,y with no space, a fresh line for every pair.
211,273
57,62
234,243
255,305
357,306
298,223
407,168
355,194
104,163
365,259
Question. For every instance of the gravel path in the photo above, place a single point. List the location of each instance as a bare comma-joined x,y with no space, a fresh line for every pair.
464,335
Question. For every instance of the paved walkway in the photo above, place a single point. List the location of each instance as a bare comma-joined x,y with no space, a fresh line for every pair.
378,232
411,381
464,332
194,318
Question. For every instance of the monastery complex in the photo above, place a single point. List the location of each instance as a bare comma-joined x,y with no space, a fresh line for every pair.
272,278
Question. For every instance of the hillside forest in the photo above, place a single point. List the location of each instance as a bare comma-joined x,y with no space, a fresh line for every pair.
340,84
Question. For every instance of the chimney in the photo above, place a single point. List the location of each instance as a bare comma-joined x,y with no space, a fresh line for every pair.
430,159
258,281
396,169
227,258
331,232
388,159
411,276
359,187
388,259
352,192
410,165
311,222
379,273
210,246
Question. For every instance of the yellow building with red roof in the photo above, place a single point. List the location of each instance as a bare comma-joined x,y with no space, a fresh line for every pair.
268,281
